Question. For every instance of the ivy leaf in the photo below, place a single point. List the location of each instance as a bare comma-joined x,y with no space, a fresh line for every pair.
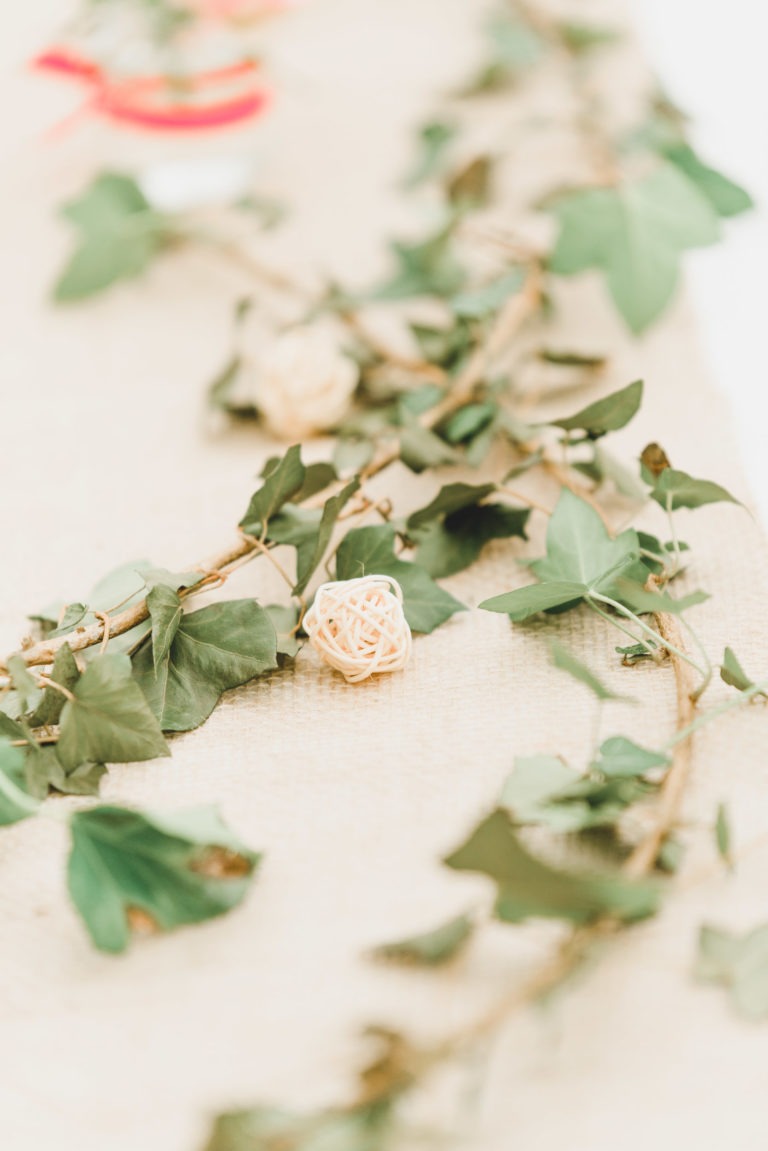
514,48
165,612
606,415
726,197
603,467
453,528
174,869
371,551
723,834
273,1129
581,37
24,683
108,720
542,790
65,672
581,558
529,888
532,791
484,302
426,268
316,477
636,233
352,455
453,544
445,347
281,484
431,948
524,602
310,560
732,673
119,235
214,649
435,140
635,596
741,963
284,620
620,756
566,661
579,548
43,771
15,803
467,423
675,489
309,531
421,449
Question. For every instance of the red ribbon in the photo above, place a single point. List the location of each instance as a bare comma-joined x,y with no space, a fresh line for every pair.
130,101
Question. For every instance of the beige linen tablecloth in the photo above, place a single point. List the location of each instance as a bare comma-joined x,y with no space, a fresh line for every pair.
353,792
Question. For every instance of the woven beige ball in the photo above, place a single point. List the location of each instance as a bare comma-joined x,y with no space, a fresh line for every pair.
358,626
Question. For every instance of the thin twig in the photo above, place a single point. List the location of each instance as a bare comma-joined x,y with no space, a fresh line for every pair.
639,863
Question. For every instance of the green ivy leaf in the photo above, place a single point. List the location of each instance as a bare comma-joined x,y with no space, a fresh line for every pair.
726,197
542,790
15,803
620,756
524,602
741,963
309,531
606,415
675,489
273,1129
118,236
166,612
434,141
421,449
456,542
603,467
566,661
636,597
24,683
581,558
452,530
371,551
579,548
109,720
529,888
284,620
581,37
431,948
214,649
723,835
426,268
43,772
467,424
532,791
483,302
64,672
732,673
281,484
515,47
177,869
636,233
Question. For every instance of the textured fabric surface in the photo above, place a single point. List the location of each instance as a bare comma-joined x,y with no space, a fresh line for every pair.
353,792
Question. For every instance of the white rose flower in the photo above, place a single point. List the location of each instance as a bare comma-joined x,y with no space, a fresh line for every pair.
304,382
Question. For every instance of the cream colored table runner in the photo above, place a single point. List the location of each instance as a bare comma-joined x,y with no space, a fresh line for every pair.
353,793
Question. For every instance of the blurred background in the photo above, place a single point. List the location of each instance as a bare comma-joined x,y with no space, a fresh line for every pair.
711,60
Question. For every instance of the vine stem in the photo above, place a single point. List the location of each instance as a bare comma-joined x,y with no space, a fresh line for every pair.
639,863
506,326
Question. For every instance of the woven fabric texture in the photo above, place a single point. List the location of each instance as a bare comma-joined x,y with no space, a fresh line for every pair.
354,792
